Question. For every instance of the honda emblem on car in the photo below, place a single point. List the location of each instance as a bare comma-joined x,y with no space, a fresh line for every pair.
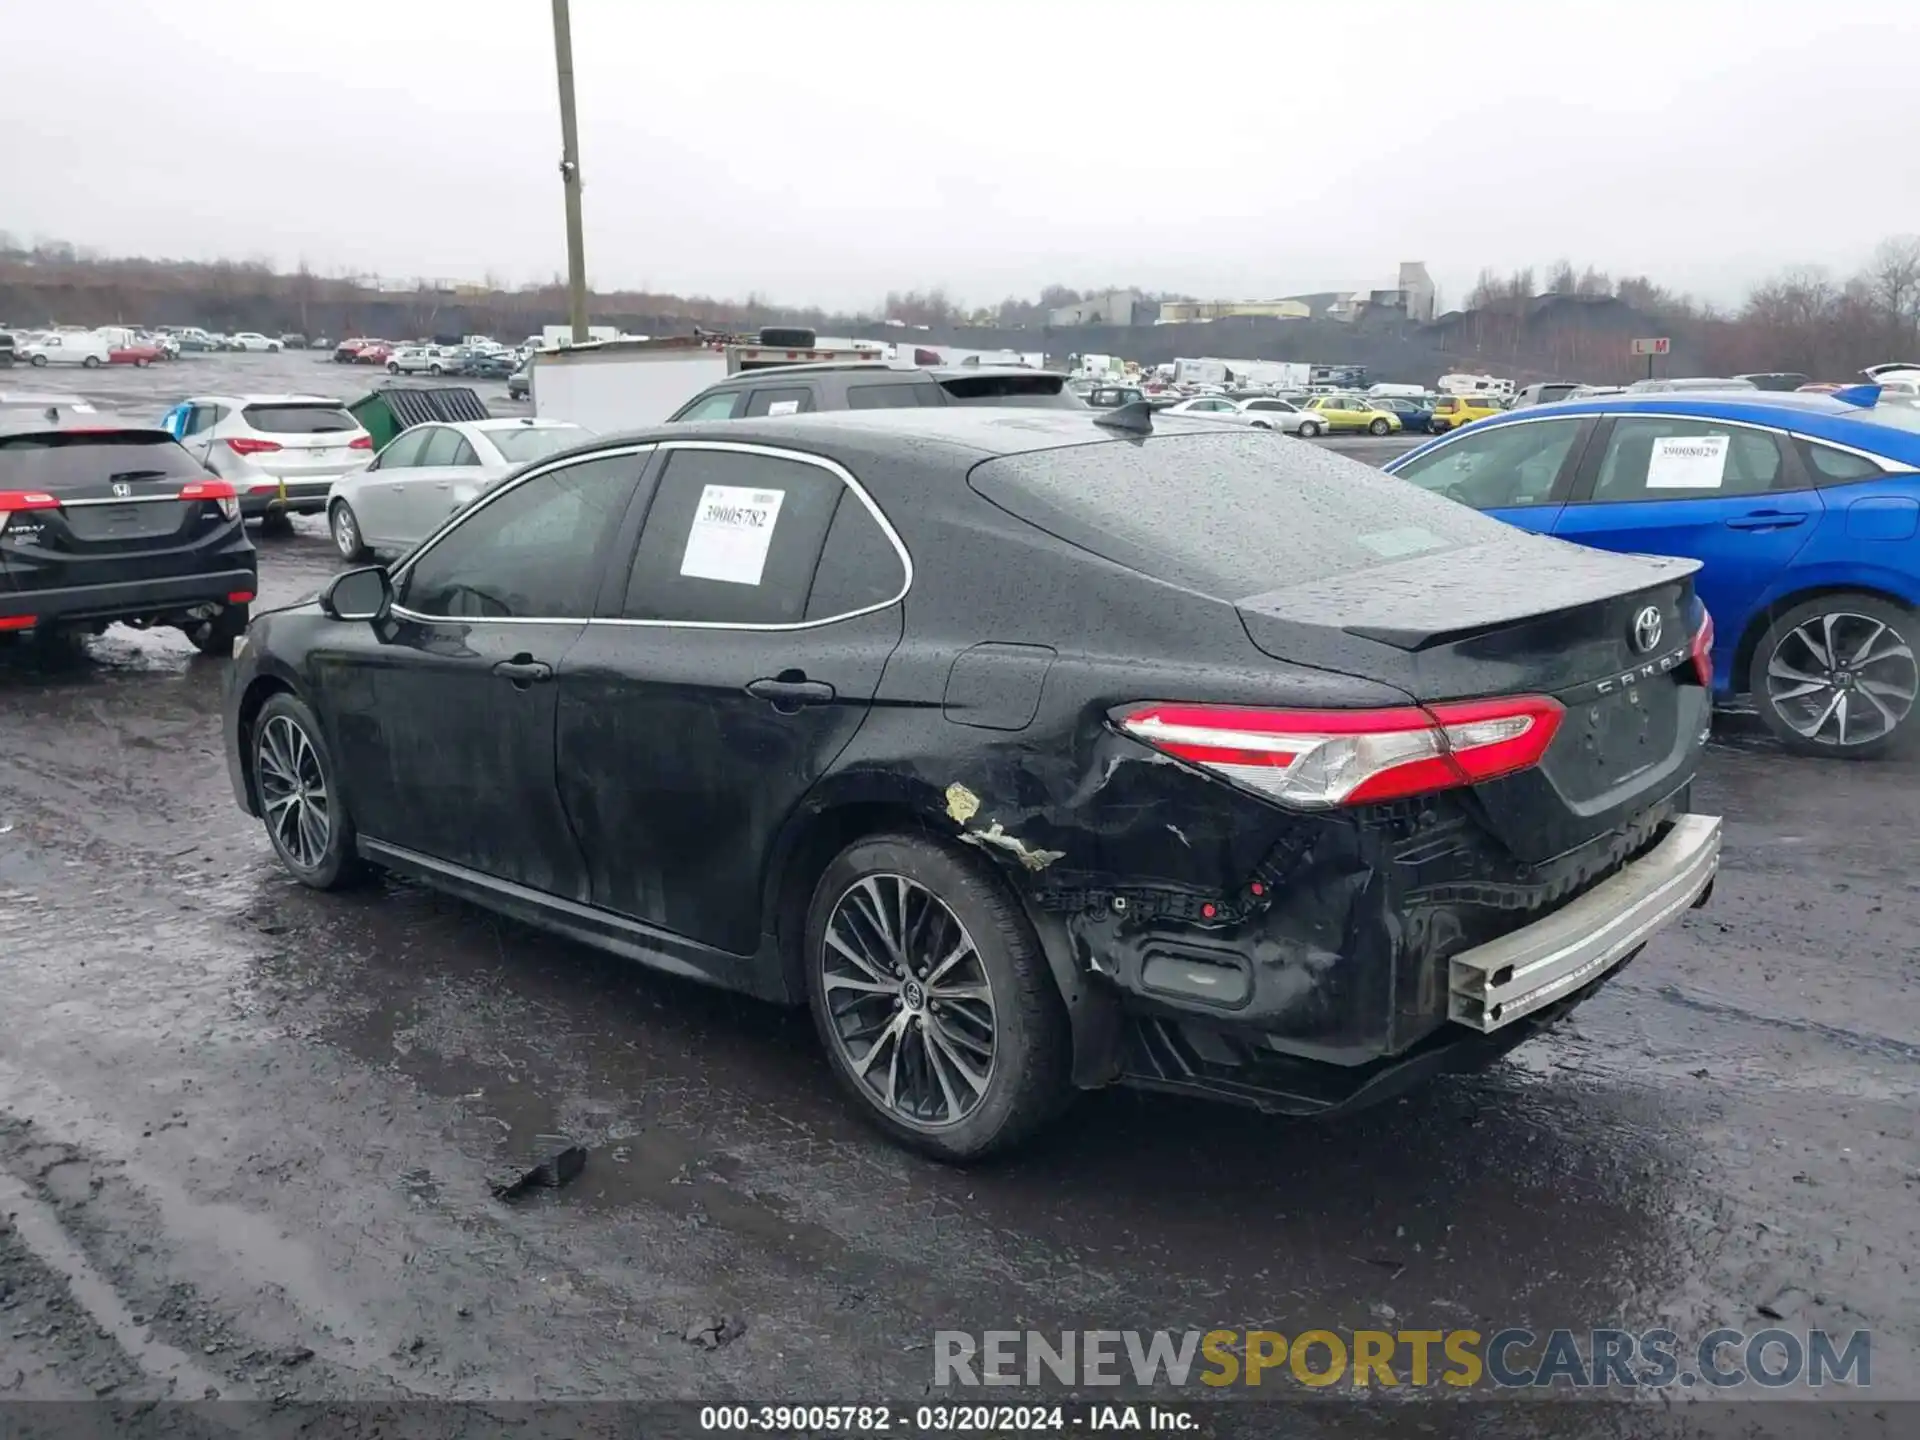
121,487
1646,629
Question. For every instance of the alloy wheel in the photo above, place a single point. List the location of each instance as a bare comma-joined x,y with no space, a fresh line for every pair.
293,792
346,534
1843,679
909,1001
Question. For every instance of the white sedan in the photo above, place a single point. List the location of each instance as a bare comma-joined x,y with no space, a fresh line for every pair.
1262,412
253,340
427,473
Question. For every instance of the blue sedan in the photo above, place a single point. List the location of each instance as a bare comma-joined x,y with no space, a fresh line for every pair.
1803,509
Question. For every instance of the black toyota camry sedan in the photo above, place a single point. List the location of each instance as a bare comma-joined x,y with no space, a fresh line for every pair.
1033,751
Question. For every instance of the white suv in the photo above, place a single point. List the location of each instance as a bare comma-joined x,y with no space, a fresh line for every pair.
252,340
281,453
412,359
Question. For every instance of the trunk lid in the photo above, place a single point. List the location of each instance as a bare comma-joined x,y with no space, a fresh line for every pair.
314,439
1609,636
118,513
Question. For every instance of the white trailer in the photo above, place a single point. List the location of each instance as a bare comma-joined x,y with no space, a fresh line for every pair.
553,337
1463,384
1202,372
609,386
1275,374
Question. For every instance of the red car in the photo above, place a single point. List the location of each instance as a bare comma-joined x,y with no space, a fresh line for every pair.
377,353
141,355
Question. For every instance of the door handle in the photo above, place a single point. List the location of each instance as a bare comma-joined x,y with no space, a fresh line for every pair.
524,670
791,692
1767,520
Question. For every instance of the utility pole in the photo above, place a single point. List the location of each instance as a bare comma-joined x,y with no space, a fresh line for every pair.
570,173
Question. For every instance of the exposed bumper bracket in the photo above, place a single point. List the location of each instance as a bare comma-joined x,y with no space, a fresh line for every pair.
1497,983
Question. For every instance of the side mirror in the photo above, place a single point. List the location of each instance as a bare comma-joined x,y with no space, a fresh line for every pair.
364,594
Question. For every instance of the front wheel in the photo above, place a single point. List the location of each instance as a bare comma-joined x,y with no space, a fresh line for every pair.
933,998
1836,676
435,370
392,369
1308,430
92,362
345,526
298,791
218,636
1379,427
40,361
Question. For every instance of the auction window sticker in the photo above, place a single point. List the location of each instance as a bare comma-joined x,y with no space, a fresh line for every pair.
1688,462
732,530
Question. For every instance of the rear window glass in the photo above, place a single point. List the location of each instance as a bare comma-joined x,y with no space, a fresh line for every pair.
298,419
531,443
56,461
891,396
1227,513
1029,390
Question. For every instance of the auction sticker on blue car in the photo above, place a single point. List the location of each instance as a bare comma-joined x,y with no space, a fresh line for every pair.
732,528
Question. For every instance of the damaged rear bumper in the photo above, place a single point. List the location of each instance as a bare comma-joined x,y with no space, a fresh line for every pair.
1504,980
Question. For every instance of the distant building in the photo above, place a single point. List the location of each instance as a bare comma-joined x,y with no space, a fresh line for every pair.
1412,298
1186,312
1116,307
1347,306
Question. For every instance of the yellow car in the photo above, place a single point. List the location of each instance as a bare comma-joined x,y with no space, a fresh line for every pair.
1450,412
1352,412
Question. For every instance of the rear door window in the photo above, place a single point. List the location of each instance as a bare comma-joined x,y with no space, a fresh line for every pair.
1220,511
720,406
403,452
1662,458
442,447
1829,466
1504,467
732,537
298,419
793,400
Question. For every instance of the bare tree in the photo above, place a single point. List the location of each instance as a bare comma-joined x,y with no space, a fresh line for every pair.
1561,279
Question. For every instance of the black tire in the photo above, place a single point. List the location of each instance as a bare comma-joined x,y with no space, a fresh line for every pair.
337,863
435,370
1379,427
1309,429
1027,1079
1438,427
91,362
276,523
1259,425
392,369
1843,623
56,647
344,526
217,636
39,360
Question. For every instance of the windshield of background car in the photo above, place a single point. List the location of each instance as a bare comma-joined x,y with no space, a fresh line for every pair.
536,443
59,460
298,419
1220,512
1039,391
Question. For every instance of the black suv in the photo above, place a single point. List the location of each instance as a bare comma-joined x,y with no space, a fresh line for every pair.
103,520
875,385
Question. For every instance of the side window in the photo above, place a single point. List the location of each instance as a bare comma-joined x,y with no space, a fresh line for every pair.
732,537
199,418
897,396
1505,466
791,401
463,454
1656,458
859,567
441,447
1829,466
718,406
403,452
529,553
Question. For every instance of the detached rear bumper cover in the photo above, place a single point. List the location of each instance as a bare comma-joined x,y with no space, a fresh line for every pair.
1495,984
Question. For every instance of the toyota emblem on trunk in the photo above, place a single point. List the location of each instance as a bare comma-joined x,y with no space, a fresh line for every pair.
1646,629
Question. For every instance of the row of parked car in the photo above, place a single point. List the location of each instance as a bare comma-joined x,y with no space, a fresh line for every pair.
477,357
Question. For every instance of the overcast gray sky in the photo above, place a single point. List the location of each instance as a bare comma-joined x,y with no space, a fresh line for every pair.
825,152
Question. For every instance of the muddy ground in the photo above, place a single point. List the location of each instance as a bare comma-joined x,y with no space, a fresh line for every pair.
247,1132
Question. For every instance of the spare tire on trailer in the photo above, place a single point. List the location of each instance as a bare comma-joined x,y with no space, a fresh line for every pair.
784,337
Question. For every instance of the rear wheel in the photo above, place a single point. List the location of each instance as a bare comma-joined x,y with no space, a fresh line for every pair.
218,635
277,523
92,362
435,370
1379,427
1837,676
298,791
1309,429
392,369
933,999
345,526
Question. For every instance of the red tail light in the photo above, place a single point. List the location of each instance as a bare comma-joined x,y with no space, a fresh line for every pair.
11,500
1322,758
1702,649
360,442
206,490
240,597
18,622
243,445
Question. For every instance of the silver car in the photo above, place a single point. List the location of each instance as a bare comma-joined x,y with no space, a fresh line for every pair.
1262,412
427,473
281,453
